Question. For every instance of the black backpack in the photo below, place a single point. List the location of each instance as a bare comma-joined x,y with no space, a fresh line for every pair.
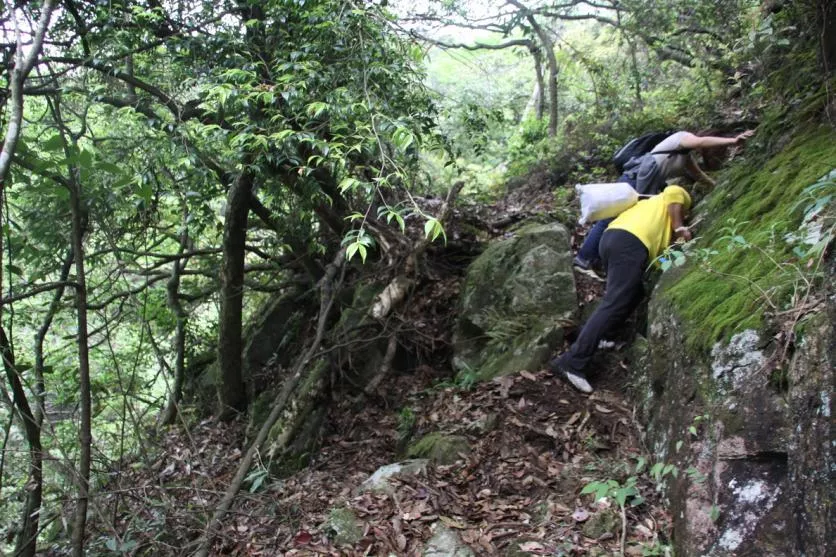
640,146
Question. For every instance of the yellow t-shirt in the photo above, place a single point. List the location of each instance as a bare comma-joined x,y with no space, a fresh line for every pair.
649,221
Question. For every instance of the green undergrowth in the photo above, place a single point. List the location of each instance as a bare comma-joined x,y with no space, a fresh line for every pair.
748,263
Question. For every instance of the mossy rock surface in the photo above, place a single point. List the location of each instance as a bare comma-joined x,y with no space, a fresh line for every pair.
600,523
439,448
754,445
515,300
353,325
272,334
445,542
763,204
294,436
343,526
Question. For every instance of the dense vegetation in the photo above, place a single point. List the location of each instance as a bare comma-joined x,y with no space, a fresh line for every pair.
168,166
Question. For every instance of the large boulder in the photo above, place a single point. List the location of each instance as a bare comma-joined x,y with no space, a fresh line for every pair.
515,301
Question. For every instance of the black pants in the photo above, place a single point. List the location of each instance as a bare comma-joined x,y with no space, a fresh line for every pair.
626,258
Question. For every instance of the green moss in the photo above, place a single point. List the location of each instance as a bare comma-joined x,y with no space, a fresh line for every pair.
343,527
760,203
439,447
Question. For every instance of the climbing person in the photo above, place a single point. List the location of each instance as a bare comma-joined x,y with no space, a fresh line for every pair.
637,236
673,157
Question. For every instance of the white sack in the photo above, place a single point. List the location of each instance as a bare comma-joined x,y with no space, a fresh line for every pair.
602,201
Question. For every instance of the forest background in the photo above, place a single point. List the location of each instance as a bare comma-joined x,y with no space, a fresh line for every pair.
169,166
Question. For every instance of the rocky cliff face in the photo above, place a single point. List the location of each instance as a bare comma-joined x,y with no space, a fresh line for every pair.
737,377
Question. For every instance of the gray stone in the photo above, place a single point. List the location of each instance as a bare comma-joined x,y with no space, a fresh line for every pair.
603,522
515,300
763,449
440,448
379,481
343,527
446,543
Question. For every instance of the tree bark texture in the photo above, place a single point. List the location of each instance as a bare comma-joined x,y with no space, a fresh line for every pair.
176,305
26,541
85,434
548,46
537,54
23,65
231,388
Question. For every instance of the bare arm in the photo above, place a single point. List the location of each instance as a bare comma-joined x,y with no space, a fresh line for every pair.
691,141
677,215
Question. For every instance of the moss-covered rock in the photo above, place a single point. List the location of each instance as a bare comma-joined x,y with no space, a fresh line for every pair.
752,221
439,448
515,300
756,450
446,543
343,526
354,325
603,522
272,336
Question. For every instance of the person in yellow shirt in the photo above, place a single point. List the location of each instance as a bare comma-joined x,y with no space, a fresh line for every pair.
637,236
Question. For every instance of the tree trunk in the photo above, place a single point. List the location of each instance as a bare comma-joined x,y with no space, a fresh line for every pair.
538,71
40,386
27,540
231,389
548,46
23,65
85,435
173,299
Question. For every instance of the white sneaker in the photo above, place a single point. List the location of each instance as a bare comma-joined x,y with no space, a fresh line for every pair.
575,378
578,381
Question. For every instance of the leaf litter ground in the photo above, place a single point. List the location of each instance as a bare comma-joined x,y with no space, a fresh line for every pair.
533,445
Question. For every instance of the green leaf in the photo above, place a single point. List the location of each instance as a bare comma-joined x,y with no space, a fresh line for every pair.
109,167
640,464
403,138
620,495
54,143
433,229
348,183
282,135
590,488
315,109
351,250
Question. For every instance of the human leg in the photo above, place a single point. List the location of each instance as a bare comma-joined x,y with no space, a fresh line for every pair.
626,258
588,253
